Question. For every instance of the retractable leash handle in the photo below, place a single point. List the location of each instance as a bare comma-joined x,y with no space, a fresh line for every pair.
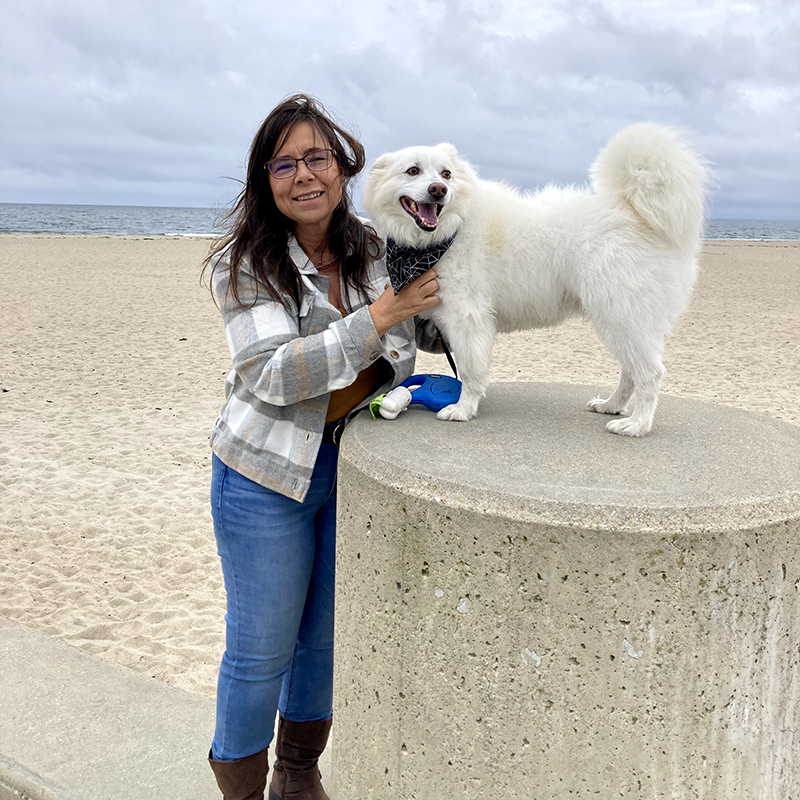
433,391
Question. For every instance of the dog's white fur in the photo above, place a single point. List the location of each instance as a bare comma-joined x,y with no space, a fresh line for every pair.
623,253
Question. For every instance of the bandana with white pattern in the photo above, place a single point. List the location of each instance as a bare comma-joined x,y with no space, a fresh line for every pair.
406,263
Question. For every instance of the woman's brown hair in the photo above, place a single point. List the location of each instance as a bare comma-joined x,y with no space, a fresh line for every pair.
258,232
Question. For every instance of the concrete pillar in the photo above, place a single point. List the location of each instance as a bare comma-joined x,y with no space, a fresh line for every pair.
531,608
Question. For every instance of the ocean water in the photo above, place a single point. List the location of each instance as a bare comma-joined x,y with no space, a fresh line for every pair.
753,229
164,221
108,220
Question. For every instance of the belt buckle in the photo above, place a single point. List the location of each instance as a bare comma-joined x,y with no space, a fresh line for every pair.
336,436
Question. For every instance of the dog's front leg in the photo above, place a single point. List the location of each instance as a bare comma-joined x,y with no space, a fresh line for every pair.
471,338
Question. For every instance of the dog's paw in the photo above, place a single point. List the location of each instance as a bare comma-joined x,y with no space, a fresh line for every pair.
628,426
457,412
603,406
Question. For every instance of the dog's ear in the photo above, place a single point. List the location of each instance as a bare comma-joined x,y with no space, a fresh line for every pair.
380,164
449,150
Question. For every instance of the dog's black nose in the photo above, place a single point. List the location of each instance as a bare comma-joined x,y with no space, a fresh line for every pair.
437,190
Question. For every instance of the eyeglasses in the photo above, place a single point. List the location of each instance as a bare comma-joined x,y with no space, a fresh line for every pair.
286,167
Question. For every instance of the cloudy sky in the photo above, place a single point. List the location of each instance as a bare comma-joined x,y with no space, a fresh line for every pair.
155,102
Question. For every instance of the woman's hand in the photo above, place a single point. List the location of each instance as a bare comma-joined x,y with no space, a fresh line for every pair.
390,308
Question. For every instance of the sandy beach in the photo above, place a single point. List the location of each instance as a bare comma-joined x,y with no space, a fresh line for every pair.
113,364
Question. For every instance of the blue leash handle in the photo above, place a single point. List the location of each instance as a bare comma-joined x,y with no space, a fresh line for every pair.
433,391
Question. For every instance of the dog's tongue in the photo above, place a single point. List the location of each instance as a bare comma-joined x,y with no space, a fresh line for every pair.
427,213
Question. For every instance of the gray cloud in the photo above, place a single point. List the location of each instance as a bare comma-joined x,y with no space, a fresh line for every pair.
151,102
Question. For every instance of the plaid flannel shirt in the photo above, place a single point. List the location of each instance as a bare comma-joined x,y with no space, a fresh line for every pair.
286,363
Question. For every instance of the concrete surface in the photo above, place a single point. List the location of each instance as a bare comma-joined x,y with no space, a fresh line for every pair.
76,727
73,726
531,607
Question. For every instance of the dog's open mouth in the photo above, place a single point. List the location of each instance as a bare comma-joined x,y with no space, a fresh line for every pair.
426,215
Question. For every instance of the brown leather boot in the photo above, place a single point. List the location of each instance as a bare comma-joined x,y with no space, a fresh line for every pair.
298,746
243,779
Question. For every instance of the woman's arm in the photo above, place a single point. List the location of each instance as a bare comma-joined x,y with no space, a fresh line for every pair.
276,363
390,308
281,367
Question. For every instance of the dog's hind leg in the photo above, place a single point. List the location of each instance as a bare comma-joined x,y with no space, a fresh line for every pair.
647,380
641,371
472,340
619,400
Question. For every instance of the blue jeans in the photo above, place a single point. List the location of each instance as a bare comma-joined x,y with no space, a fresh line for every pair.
278,563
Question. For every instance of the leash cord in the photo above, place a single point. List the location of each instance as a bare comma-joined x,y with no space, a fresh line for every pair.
449,355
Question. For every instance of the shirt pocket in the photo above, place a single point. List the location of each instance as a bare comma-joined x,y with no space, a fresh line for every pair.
318,317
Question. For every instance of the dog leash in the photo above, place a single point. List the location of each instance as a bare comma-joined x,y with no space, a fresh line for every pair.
447,352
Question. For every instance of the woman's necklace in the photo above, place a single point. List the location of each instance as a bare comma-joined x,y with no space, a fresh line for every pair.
329,269
328,265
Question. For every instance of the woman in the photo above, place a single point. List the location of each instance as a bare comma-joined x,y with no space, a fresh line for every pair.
315,331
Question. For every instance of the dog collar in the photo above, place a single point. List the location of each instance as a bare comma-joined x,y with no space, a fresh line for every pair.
406,263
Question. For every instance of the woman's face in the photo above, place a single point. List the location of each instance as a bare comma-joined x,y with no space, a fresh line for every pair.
307,198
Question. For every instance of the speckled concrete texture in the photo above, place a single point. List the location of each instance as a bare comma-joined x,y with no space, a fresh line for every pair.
531,607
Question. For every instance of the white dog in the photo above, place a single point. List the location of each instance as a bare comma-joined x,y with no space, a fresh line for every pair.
622,253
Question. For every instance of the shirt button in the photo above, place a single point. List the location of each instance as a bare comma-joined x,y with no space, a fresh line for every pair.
394,354
373,355
388,285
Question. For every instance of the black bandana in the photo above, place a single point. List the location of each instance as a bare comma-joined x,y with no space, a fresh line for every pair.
406,263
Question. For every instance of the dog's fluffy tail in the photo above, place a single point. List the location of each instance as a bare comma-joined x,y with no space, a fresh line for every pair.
653,170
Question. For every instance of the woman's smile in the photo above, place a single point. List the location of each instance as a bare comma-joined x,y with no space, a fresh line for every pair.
311,196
